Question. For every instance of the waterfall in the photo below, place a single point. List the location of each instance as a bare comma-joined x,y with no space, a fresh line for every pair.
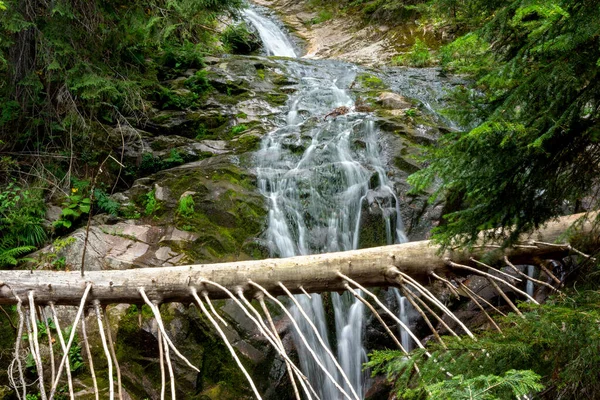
275,41
404,309
529,288
319,175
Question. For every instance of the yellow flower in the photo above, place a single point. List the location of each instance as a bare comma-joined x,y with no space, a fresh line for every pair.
74,190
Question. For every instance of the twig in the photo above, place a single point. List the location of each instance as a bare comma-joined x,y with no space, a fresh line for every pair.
447,282
467,289
169,365
320,339
229,346
387,310
71,338
550,274
568,247
437,317
261,301
212,309
8,318
261,326
455,265
111,384
273,338
409,295
161,356
505,297
88,351
111,347
530,278
431,298
496,270
303,338
61,340
159,321
305,292
50,344
18,347
474,300
36,346
374,311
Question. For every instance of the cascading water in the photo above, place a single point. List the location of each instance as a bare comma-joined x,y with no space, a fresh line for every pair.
404,309
318,175
276,42
529,286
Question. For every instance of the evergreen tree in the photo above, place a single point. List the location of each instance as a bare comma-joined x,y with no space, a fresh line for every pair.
534,152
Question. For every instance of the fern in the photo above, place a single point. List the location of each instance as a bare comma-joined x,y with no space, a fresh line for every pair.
11,257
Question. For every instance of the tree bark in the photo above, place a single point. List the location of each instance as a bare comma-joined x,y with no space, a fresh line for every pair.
315,273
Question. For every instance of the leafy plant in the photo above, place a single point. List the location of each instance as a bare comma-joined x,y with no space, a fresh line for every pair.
74,207
238,39
185,208
105,203
151,205
418,56
532,353
236,130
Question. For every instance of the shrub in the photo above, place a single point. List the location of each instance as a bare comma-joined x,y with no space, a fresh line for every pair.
239,40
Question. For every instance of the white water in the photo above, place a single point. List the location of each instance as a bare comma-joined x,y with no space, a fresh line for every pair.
320,177
529,288
404,310
275,41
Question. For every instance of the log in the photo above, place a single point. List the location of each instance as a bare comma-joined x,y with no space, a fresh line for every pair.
315,273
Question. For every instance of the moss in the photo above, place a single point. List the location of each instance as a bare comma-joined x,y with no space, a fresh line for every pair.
405,165
246,143
371,81
276,98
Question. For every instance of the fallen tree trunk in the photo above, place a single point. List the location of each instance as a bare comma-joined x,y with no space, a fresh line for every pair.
316,273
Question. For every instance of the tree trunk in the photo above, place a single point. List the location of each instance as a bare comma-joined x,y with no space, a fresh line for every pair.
314,273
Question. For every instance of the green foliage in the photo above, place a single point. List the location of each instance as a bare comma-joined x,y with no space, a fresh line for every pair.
105,203
21,223
55,95
531,155
322,16
553,347
236,130
151,205
198,83
185,208
238,39
74,207
418,56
